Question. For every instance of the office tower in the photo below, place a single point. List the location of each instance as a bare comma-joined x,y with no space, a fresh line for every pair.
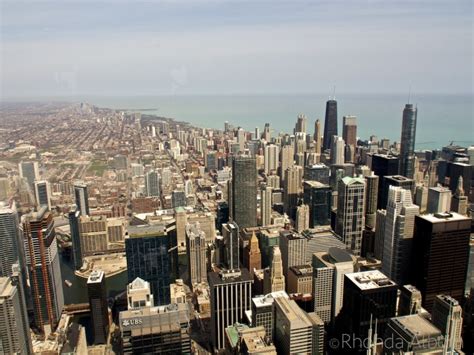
395,180
409,301
178,198
317,172
329,269
266,206
29,171
241,139
367,295
291,189
293,250
271,158
97,292
156,330
379,233
287,160
459,201
263,312
407,141
447,317
266,132
252,257
439,199
300,279
318,197
276,280
398,235
293,328
244,191
139,294
301,122
43,194
317,136
350,212
188,187
349,130
151,253
455,170
337,151
330,123
42,260
11,246
413,334
318,334
441,247
222,214
231,295
14,327
371,194
383,165
211,161
302,218
230,233
82,198
4,188
75,238
152,184
257,133
196,249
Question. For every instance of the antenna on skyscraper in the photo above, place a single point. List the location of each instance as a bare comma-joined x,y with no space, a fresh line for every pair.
409,93
334,92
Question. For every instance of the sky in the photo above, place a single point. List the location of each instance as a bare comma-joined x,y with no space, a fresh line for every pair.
189,47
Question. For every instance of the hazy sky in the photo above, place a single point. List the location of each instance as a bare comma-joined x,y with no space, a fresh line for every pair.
220,46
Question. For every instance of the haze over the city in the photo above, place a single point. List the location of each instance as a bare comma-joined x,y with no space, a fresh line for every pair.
69,48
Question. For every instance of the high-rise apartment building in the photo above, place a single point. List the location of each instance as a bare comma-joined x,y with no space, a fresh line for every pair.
196,252
152,184
244,191
371,195
301,123
287,160
97,292
350,212
407,141
42,260
441,255
271,158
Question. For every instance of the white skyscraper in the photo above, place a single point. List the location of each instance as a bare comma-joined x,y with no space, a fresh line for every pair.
398,233
439,199
266,206
337,151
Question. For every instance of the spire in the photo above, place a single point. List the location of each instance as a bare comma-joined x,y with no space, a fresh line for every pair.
460,189
254,242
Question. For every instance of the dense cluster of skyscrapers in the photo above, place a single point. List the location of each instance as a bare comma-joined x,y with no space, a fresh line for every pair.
250,243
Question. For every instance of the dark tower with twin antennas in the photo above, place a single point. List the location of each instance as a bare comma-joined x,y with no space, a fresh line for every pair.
330,121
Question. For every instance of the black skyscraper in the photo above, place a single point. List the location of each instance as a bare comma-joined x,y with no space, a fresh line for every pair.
407,156
98,306
330,123
244,191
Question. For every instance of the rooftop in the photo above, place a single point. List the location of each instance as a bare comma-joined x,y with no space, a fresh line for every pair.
368,280
96,276
444,217
416,326
267,300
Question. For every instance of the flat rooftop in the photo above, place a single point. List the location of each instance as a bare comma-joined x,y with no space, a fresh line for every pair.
370,280
266,300
416,326
444,217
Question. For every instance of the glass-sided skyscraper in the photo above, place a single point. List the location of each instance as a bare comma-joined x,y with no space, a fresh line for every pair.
330,123
407,155
152,255
244,191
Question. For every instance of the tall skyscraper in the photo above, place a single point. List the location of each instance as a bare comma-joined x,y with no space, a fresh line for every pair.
393,180
97,292
302,218
82,198
276,280
398,235
367,295
330,123
75,238
14,327
231,296
287,160
317,172
407,141
349,130
293,250
252,257
244,191
29,171
439,199
447,317
337,151
230,232
301,124
152,184
371,194
409,300
266,206
317,136
267,133
263,312
43,194
441,247
318,197
271,158
11,251
350,212
151,256
291,188
293,328
196,252
42,260
459,201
